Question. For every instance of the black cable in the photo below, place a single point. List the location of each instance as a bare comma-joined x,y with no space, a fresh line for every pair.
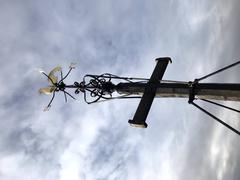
113,98
227,107
217,119
108,75
218,71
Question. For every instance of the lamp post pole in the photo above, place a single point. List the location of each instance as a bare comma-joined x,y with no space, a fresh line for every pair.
213,91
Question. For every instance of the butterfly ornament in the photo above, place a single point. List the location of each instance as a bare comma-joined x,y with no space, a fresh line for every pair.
56,85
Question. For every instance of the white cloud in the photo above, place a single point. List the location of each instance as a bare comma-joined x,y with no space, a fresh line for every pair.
79,141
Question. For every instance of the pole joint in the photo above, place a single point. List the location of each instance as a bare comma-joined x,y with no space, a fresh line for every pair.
192,90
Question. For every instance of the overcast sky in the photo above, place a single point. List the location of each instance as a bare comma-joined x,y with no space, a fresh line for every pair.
94,142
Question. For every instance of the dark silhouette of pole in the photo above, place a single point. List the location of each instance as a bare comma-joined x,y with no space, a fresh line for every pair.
214,91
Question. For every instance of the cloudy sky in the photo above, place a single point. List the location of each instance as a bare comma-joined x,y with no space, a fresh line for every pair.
77,141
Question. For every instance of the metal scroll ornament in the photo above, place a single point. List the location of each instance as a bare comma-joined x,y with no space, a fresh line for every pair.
95,87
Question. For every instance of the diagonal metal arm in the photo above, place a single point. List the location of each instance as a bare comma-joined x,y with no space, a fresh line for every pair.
139,119
217,119
221,105
159,69
218,71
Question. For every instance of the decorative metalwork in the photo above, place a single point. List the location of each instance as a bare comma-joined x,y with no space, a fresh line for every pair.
99,88
96,88
56,85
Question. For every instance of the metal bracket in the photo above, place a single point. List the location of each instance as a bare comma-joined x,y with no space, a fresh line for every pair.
192,88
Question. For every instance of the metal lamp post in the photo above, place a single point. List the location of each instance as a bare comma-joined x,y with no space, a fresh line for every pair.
98,88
